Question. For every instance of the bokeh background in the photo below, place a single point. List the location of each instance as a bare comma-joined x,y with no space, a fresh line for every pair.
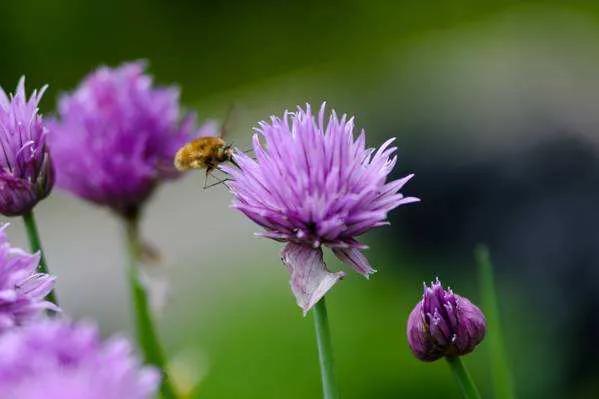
496,109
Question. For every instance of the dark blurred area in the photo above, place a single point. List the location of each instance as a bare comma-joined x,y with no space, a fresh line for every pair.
207,47
495,106
535,206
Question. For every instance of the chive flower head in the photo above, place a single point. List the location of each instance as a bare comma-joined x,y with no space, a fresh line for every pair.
22,289
116,135
26,172
444,324
59,359
314,185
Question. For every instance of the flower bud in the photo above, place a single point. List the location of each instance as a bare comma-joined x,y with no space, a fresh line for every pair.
444,324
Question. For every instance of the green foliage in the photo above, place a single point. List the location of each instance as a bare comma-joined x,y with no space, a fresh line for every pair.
503,387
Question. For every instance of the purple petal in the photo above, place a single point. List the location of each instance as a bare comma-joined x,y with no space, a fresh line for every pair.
354,258
22,290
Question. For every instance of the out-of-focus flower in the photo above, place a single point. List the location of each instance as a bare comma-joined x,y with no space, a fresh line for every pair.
26,173
58,359
22,290
444,324
116,135
313,184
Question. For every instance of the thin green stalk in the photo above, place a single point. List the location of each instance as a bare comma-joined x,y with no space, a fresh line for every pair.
503,387
463,378
36,245
147,337
325,351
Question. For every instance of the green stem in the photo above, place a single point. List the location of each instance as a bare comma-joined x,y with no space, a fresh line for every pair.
463,378
500,371
325,350
147,337
36,245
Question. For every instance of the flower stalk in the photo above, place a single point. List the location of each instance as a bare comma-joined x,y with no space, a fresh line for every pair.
145,330
469,390
325,350
36,246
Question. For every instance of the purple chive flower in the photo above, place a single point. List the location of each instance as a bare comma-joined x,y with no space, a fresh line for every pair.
444,324
26,173
22,290
58,359
312,185
116,135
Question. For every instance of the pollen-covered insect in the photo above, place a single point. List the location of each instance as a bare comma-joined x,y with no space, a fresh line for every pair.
206,153
203,153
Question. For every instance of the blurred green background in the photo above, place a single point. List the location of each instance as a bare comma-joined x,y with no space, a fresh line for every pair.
495,108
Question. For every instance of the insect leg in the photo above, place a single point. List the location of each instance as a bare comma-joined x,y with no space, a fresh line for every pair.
218,181
234,163
206,176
